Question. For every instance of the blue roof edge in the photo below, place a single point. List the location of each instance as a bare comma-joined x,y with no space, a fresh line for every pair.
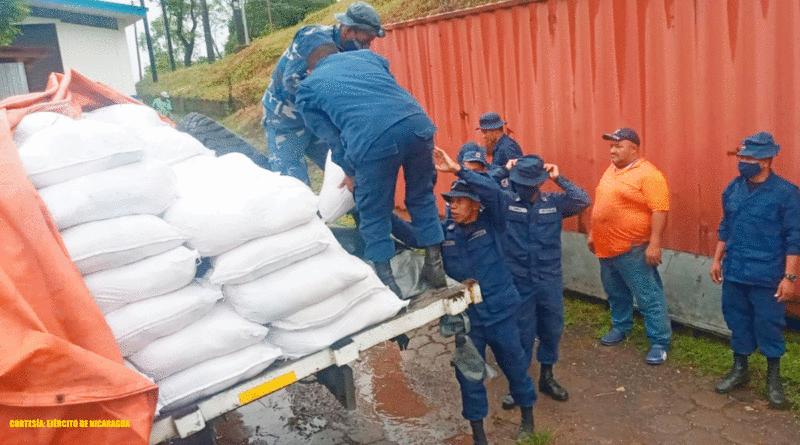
118,8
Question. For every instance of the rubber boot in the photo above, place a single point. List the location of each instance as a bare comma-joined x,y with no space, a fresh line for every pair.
433,267
548,384
478,435
774,388
384,271
737,377
526,423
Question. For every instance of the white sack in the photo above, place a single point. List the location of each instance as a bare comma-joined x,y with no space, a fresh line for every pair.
138,324
334,201
73,148
144,187
215,375
330,309
132,116
34,122
227,201
378,307
296,286
218,333
264,255
110,243
150,277
170,146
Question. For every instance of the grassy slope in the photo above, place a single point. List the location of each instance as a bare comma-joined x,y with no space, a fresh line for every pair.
245,75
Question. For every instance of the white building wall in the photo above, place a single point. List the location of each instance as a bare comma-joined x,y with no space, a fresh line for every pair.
98,53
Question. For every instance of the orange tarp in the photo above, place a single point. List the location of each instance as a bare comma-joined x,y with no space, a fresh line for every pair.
58,357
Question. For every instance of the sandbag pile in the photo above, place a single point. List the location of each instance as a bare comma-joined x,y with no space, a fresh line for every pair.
139,204
107,189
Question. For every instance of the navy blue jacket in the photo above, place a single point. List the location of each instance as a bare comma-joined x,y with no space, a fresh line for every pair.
475,251
532,241
349,100
760,229
505,150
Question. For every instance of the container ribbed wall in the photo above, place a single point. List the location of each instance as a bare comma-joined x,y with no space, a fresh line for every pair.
693,77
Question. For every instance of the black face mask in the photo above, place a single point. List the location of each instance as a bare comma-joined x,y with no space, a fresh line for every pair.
351,45
525,192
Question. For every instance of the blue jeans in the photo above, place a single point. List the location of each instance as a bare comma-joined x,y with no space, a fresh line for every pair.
289,144
375,181
503,339
755,317
628,276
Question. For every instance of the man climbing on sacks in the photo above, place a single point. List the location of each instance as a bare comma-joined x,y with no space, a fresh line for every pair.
288,140
373,127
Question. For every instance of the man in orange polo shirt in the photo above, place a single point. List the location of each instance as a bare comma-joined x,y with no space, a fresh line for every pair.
628,220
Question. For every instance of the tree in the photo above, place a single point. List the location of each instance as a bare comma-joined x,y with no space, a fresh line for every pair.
285,13
11,13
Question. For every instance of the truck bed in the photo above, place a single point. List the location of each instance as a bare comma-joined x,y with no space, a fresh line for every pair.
423,309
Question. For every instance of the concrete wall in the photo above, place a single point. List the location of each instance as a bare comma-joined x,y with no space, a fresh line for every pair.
98,53
692,298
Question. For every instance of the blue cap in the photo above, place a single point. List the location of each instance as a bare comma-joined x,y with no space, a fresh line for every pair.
760,146
529,170
362,16
490,121
472,152
623,134
461,188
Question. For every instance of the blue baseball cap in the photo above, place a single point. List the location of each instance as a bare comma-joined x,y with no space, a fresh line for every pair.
623,134
490,121
529,170
760,146
472,152
362,16
461,188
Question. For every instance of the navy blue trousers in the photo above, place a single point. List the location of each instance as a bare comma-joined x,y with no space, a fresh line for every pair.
541,316
503,339
406,145
755,317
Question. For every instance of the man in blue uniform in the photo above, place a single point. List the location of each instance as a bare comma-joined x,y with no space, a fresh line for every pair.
288,140
533,251
756,260
373,127
499,146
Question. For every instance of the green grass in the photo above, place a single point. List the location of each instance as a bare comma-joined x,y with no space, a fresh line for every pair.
537,438
703,353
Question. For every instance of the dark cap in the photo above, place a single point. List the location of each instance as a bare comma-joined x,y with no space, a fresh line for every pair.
472,152
760,146
623,134
362,16
529,170
490,121
461,188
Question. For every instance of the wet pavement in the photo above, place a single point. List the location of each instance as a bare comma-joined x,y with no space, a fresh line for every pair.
411,398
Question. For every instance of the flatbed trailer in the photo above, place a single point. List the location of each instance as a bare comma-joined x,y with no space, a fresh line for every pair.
330,365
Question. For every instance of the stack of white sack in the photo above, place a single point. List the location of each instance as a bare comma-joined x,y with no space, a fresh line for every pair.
106,188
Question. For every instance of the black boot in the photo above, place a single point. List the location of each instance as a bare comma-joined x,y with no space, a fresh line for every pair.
526,424
548,384
737,377
774,387
433,268
478,435
384,271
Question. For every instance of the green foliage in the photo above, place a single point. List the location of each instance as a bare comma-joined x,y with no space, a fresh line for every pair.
537,438
11,13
